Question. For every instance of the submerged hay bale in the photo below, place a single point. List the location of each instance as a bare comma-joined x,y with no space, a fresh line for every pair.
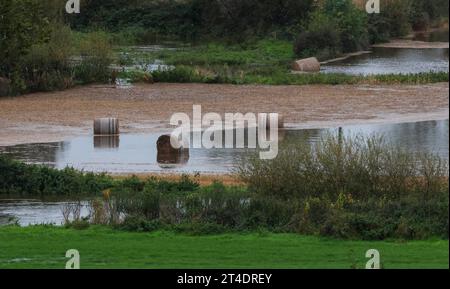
170,155
306,65
106,126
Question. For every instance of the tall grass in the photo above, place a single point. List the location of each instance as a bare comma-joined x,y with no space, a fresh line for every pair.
96,56
273,76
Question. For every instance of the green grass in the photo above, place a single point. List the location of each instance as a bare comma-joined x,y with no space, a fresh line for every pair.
265,62
264,52
101,247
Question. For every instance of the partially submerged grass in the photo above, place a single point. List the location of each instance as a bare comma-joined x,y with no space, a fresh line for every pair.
228,75
264,62
264,52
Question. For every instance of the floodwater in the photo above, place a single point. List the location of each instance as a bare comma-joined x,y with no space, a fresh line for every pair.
137,153
392,61
34,212
397,60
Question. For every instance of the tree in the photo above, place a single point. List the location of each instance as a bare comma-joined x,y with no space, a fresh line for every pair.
23,23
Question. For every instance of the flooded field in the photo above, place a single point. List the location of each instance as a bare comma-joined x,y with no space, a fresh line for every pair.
27,212
137,153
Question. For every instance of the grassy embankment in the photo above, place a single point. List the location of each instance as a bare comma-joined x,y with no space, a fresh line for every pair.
100,247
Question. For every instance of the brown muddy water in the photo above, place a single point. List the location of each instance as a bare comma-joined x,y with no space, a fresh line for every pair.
137,153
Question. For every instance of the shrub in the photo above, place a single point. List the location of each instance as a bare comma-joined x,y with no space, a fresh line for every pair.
197,228
396,15
78,225
139,224
47,67
24,23
20,179
337,27
216,204
322,39
362,167
95,50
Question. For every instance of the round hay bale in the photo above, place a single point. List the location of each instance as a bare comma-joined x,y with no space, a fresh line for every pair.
106,126
306,65
5,86
170,155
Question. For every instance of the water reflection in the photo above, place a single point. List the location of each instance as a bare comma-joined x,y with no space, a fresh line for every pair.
42,153
139,153
106,142
34,212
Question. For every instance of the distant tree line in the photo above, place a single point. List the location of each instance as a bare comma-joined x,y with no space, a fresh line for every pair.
191,19
239,19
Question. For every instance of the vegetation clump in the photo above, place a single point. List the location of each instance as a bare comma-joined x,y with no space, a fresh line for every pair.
351,188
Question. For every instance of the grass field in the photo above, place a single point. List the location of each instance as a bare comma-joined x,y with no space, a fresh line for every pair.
101,247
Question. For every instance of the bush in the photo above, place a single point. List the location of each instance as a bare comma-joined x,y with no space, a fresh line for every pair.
393,21
337,27
361,166
322,39
24,23
139,224
216,204
78,225
47,67
20,179
95,50
197,228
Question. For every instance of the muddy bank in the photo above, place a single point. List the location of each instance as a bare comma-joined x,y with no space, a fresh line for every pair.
46,117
